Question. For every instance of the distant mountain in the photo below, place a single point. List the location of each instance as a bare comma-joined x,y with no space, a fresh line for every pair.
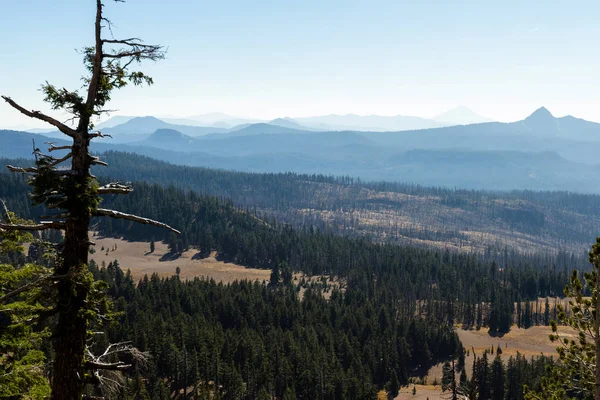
139,128
114,121
41,131
541,120
255,129
19,144
289,123
574,139
170,139
219,119
366,122
540,152
460,116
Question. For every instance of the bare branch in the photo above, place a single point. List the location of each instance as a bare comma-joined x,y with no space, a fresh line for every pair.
128,42
53,147
115,188
43,117
124,54
22,170
59,160
98,134
96,161
36,227
6,214
118,366
102,212
136,50
109,374
70,119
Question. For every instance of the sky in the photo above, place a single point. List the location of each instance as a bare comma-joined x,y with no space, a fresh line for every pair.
268,59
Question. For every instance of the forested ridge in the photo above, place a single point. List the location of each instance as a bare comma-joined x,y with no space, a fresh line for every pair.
208,223
466,220
394,318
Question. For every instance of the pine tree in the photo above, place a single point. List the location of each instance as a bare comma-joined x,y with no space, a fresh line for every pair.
447,376
21,358
275,276
481,377
394,384
75,193
578,371
497,379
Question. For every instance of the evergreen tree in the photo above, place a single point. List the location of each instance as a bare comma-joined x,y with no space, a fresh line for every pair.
21,357
394,384
497,379
76,192
578,372
275,276
447,376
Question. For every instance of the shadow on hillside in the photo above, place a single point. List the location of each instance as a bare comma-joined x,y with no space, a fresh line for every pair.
497,334
201,255
225,258
170,257
465,327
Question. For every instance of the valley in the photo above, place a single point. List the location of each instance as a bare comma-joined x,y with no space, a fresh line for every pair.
300,208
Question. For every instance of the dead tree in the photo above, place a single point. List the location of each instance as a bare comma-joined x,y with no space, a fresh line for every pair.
74,193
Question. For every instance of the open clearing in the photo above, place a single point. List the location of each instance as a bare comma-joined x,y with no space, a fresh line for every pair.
528,342
424,392
533,341
136,257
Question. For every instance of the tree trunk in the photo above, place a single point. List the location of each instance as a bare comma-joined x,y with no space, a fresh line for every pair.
68,380
597,332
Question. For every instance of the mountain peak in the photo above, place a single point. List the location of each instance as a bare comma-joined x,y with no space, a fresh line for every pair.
460,115
541,113
282,119
288,122
542,120
168,134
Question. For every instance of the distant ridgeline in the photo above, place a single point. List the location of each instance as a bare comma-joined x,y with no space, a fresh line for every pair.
526,221
403,213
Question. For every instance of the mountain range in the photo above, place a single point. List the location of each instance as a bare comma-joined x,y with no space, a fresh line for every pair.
540,152
220,122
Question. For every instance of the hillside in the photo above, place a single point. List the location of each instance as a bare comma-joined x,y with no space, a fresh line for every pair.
398,213
403,292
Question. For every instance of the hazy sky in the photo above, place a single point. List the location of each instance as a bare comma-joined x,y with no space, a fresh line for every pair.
267,59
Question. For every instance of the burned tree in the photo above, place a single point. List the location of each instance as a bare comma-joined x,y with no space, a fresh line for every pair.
75,195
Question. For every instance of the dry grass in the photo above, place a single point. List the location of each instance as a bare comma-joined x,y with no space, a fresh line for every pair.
424,392
388,216
528,342
135,256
